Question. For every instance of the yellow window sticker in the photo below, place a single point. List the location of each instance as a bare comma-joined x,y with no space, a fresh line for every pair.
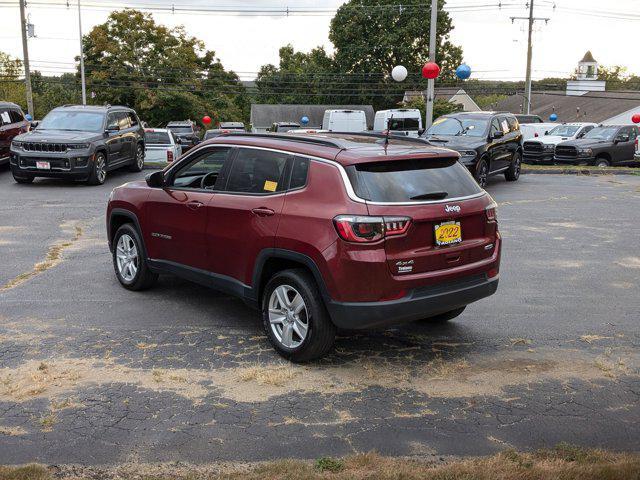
270,186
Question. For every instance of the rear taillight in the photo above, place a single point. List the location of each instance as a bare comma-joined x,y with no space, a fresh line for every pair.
490,211
169,156
365,229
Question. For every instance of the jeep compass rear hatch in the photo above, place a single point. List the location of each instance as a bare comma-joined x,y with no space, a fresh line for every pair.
434,212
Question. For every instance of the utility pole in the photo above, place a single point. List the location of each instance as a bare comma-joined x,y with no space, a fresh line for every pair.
84,85
432,58
25,53
527,88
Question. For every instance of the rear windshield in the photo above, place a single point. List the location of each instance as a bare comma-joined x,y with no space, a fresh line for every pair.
180,129
411,124
157,138
412,180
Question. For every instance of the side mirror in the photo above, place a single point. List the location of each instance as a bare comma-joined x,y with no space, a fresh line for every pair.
34,125
155,179
497,134
421,132
547,132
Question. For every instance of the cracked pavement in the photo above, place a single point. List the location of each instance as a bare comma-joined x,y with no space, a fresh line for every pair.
93,374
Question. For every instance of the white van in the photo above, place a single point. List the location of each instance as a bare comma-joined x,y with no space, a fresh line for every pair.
407,121
344,121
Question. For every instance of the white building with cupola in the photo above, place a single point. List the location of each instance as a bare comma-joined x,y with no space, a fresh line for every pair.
586,77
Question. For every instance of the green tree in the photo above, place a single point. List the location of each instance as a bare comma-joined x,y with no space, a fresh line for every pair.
12,89
163,73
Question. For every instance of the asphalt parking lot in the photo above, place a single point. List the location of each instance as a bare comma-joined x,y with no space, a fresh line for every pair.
93,374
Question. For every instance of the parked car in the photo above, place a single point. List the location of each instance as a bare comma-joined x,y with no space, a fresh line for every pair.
319,232
524,119
606,145
344,121
488,142
80,143
542,149
225,127
307,130
400,121
185,133
535,130
161,145
283,126
12,124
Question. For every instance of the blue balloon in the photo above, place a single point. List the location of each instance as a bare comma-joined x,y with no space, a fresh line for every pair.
553,117
304,120
28,117
463,71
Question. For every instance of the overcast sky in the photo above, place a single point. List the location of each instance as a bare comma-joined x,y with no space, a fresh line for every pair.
493,46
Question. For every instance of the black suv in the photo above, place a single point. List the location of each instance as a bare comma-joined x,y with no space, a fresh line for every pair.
488,142
603,146
80,143
185,134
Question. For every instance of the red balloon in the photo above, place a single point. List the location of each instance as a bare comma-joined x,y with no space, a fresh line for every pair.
430,70
206,119
636,118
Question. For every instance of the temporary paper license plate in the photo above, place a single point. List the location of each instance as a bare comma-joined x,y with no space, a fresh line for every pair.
448,233
43,165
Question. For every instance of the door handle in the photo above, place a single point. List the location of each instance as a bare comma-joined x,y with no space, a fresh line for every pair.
194,205
263,212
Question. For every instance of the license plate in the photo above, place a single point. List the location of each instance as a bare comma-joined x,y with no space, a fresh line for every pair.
43,165
448,233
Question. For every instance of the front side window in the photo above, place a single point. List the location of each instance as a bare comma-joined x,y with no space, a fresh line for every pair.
565,130
133,120
73,121
513,124
15,116
203,172
123,120
257,171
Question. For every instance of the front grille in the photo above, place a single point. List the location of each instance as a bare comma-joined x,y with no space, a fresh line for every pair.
532,147
45,147
567,152
56,163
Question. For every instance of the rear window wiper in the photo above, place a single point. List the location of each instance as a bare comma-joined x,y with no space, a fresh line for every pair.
430,196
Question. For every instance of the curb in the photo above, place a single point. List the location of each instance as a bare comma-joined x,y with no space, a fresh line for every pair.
579,171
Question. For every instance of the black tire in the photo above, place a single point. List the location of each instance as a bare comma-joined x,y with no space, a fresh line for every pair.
513,172
321,332
138,160
602,162
22,179
482,172
98,170
445,317
143,278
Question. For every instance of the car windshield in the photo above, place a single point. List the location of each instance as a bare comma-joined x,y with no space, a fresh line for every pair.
449,126
602,133
73,121
180,129
564,130
412,180
157,138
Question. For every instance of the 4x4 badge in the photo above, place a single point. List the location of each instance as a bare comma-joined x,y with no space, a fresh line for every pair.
452,208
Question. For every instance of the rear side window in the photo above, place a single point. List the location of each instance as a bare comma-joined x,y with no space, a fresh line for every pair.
299,173
16,116
412,180
257,171
5,118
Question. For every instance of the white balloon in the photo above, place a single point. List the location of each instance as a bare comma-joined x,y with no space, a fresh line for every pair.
399,73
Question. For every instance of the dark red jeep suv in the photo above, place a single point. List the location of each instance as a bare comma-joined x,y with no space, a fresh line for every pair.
319,232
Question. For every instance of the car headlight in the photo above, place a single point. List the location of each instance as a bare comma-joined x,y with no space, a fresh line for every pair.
16,144
587,152
78,146
467,153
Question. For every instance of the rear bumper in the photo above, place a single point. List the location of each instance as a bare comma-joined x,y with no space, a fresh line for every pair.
421,303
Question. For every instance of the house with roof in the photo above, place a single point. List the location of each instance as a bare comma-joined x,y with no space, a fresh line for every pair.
453,95
264,115
585,99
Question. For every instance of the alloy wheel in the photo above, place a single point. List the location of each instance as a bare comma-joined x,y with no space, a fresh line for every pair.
127,258
140,157
483,173
516,166
288,316
101,172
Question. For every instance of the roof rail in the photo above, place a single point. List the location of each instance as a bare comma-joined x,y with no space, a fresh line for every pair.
382,136
325,142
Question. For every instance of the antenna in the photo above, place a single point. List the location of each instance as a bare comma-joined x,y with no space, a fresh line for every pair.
386,138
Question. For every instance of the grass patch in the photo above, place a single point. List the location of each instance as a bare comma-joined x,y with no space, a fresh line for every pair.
573,168
276,375
564,462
